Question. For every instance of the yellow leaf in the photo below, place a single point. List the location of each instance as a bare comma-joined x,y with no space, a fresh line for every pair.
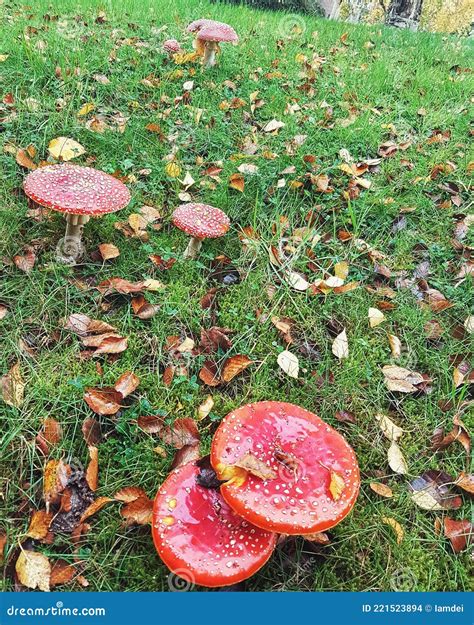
336,485
65,149
376,317
86,109
12,387
33,570
237,182
206,407
395,345
395,525
173,170
3,57
341,270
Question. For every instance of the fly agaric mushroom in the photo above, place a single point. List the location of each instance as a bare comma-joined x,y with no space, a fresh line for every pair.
285,470
81,193
171,46
200,538
208,36
201,221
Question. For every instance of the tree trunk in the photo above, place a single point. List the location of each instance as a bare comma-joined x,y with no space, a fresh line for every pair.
404,13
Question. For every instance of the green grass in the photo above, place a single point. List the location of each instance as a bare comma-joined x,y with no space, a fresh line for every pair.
387,84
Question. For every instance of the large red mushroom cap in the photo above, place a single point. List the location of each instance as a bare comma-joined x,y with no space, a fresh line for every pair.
286,470
210,30
201,221
200,538
76,190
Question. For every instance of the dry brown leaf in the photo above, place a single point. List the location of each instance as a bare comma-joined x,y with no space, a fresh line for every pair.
92,471
465,481
126,383
237,182
39,524
150,423
24,159
395,345
458,532
188,453
431,491
55,479
95,506
91,431
143,309
33,570
84,325
129,494
103,401
183,431
336,485
61,573
255,466
401,380
235,365
3,544
108,251
139,512
397,528
209,374
381,489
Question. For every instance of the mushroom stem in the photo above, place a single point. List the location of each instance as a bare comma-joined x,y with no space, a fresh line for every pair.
210,49
70,248
193,247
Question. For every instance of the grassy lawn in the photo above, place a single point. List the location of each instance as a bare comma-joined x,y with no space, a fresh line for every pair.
349,88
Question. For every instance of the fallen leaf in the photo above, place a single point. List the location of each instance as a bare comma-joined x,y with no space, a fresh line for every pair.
431,491
205,408
395,345
138,512
209,374
95,506
151,424
84,325
296,281
92,471
183,431
103,401
237,182
91,431
24,159
390,429
188,453
465,481
289,363
273,125
336,485
143,309
50,434
108,251
26,261
340,346
344,416
65,149
13,387
235,365
397,528
3,544
129,494
469,324
55,479
39,524
126,383
33,570
61,573
381,489
376,317
458,532
256,467
396,459
401,380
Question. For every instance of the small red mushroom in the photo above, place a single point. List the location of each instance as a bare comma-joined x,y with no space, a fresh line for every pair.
171,46
201,221
200,538
81,193
285,469
209,34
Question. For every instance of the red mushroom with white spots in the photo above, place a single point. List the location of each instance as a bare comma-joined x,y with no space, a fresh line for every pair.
201,221
80,193
284,469
200,538
209,34
171,46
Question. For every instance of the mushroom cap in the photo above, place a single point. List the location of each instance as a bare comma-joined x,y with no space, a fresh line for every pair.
315,477
210,30
200,538
201,220
77,190
171,45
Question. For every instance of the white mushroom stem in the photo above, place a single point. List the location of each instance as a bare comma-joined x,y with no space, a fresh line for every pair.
193,247
210,50
71,247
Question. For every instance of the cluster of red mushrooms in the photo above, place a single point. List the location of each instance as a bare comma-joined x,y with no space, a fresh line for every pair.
83,192
274,468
